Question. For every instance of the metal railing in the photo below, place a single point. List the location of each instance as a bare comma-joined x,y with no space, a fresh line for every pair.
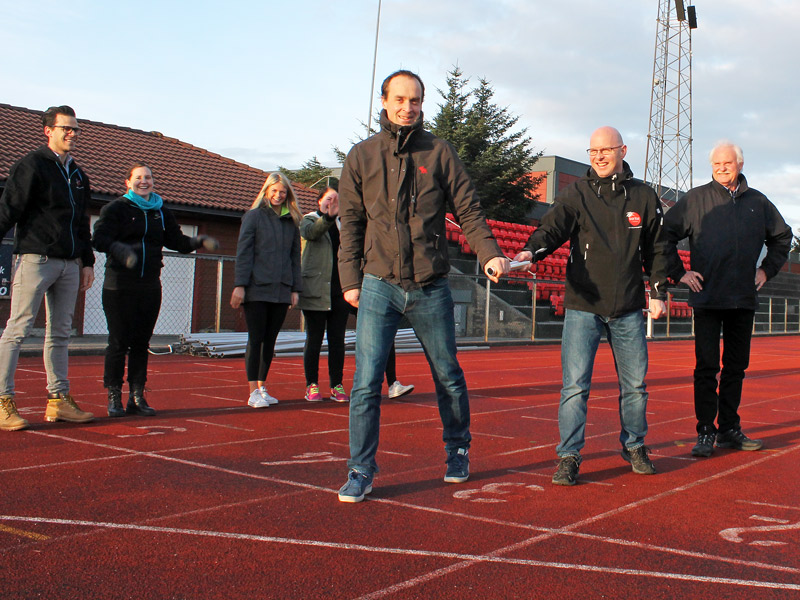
197,288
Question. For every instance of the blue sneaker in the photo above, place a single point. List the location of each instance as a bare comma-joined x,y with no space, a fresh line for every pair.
358,485
457,466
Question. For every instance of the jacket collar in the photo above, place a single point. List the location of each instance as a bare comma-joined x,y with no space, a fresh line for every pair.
401,135
613,182
45,152
743,187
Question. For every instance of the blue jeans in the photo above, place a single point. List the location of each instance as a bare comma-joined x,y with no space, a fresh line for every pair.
381,307
581,337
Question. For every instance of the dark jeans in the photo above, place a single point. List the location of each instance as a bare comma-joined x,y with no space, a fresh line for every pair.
736,327
317,321
264,322
131,316
391,366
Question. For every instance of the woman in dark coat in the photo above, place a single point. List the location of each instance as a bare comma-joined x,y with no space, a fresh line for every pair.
131,231
267,279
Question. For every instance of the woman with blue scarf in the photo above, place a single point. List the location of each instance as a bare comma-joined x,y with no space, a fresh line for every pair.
132,230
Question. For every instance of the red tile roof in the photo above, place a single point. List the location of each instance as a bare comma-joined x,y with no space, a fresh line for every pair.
185,174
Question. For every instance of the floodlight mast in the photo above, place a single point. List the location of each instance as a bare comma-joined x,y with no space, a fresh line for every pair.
668,163
374,63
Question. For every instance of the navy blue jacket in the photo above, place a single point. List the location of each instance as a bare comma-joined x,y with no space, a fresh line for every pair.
726,235
48,203
268,256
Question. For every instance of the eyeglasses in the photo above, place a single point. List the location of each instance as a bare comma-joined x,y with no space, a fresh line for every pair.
602,151
67,129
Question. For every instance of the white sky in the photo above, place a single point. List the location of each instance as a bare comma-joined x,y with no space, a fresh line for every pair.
275,82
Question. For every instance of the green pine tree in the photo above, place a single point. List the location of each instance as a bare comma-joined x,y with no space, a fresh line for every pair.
496,154
312,174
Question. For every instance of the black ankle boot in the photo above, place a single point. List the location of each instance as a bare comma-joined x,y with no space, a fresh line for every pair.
137,405
115,401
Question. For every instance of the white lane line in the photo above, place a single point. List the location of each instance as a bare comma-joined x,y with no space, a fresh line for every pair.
547,531
492,435
782,506
218,425
583,478
341,415
465,558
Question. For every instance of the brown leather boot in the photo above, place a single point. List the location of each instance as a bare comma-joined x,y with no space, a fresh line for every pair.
62,407
9,417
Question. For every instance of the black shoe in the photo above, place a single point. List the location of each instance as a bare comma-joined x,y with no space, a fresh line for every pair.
137,405
639,460
567,472
704,445
734,438
115,408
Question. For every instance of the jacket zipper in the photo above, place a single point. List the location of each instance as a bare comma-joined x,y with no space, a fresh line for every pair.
68,177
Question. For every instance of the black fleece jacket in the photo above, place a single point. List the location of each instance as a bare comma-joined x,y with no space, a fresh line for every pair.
614,226
726,235
146,232
48,203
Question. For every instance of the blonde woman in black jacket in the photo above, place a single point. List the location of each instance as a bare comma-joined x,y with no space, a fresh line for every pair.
267,279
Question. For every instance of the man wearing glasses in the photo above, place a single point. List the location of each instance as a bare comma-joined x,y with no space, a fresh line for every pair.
46,197
614,225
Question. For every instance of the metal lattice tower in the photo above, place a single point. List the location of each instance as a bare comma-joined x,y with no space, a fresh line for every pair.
668,166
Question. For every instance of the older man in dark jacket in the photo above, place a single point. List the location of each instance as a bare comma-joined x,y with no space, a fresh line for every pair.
394,192
727,223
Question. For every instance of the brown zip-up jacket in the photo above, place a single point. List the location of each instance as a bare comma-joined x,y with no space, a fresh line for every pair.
394,192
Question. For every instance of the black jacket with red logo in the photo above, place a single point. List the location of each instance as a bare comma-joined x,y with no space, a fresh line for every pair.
615,229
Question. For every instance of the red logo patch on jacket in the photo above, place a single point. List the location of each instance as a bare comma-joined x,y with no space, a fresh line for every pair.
423,170
634,219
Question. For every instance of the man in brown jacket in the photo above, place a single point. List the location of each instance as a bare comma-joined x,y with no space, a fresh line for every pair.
394,193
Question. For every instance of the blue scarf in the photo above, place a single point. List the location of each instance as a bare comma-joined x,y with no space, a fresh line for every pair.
154,203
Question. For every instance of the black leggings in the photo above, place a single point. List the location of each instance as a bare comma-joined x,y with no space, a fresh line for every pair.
264,322
335,320
131,316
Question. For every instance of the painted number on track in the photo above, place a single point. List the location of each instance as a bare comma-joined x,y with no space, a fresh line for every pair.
737,535
496,492
153,430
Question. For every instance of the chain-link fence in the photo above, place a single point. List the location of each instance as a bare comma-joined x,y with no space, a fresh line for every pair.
196,291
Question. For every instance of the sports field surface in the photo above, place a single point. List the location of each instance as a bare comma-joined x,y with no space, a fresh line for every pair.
211,499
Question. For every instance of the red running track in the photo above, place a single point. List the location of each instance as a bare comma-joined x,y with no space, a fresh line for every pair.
211,499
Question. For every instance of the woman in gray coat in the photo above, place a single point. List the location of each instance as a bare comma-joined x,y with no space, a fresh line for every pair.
267,279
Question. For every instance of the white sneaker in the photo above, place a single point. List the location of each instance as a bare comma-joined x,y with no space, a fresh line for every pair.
256,400
265,395
397,389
